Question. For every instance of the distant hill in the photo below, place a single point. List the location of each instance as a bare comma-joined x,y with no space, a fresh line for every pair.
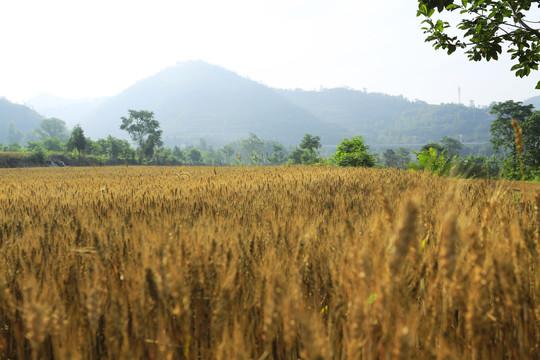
24,118
535,101
386,119
197,100
71,111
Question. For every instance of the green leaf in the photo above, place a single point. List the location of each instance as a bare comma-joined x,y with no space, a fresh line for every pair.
464,3
371,298
537,86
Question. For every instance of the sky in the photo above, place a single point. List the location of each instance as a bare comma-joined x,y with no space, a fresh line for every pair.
84,49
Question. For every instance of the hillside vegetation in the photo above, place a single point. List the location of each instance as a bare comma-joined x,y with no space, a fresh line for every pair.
23,118
195,100
261,263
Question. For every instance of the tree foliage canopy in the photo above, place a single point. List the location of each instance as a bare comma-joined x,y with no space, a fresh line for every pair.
353,152
144,130
504,141
310,144
52,128
77,140
486,26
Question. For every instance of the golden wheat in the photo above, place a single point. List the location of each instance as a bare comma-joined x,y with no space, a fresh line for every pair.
266,263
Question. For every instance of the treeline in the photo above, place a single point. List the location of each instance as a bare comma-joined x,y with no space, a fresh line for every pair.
515,142
515,139
56,140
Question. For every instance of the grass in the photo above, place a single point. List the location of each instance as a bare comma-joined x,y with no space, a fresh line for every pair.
262,263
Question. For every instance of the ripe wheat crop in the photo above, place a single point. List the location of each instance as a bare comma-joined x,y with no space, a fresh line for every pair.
266,263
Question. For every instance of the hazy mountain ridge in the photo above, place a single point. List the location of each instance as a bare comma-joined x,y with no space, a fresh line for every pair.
387,119
23,118
72,111
196,100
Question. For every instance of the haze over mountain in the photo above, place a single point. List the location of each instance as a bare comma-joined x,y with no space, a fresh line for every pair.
195,100
385,119
72,111
23,118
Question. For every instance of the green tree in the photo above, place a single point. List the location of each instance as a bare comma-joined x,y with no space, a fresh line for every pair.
437,147
32,145
404,157
77,140
14,135
431,160
451,146
353,152
477,166
485,27
310,144
390,158
278,156
503,139
113,146
14,147
53,144
195,156
531,141
52,128
228,150
179,154
252,143
144,131
296,156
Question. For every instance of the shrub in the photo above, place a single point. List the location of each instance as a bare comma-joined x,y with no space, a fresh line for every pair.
353,152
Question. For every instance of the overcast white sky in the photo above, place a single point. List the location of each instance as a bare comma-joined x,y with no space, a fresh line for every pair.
80,48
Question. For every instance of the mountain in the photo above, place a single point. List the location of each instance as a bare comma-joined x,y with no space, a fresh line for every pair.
23,118
196,100
69,110
535,100
387,119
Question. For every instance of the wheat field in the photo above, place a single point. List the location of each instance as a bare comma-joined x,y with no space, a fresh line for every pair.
266,263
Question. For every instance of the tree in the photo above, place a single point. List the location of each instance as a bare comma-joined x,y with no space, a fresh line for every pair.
296,156
179,154
503,140
433,161
311,143
390,158
52,128
437,147
228,150
77,140
144,131
53,144
451,146
14,135
195,156
353,152
252,143
404,157
531,141
113,146
278,156
486,26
